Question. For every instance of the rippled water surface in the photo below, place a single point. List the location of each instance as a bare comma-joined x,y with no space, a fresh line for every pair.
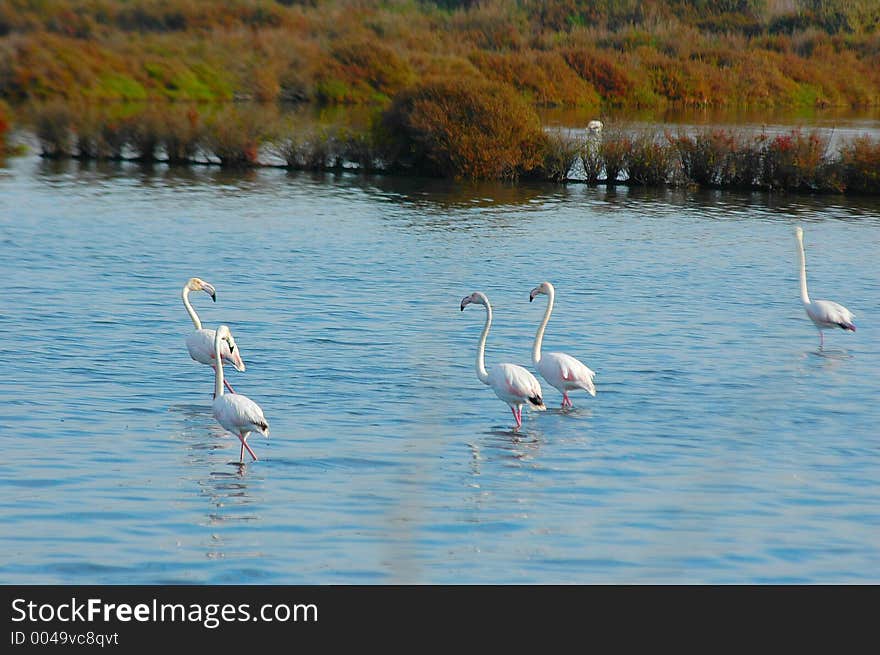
722,446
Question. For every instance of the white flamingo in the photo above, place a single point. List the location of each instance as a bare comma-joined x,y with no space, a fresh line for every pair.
511,383
561,371
824,313
238,414
200,341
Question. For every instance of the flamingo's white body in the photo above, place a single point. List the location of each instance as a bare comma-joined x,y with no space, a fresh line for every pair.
238,414
200,342
825,314
561,371
511,383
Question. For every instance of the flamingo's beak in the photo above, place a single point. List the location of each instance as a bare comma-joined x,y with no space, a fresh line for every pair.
209,289
534,292
465,302
237,361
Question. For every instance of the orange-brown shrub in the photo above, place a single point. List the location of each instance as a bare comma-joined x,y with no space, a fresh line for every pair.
463,128
860,165
796,161
602,70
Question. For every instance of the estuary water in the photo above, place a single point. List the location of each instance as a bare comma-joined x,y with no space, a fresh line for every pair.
722,447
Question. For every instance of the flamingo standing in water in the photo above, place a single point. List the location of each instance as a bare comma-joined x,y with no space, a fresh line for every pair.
238,414
823,313
561,371
511,383
200,341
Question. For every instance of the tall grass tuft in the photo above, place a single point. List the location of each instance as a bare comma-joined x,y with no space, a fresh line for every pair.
560,153
53,125
613,151
182,133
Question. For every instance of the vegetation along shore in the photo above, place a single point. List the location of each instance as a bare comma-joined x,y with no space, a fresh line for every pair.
447,88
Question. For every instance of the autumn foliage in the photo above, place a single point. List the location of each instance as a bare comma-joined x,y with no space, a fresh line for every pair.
465,129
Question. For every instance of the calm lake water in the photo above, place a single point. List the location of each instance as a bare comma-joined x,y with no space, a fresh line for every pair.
722,447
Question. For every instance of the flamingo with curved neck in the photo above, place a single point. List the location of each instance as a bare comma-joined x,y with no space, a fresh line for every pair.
237,413
824,313
561,371
200,342
511,383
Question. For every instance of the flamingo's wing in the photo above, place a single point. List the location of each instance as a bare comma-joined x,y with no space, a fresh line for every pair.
238,413
200,344
521,384
572,371
828,311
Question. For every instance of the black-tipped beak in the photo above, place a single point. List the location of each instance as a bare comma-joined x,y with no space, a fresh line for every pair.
531,297
214,297
462,306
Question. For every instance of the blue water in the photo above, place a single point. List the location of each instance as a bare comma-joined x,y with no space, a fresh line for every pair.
722,446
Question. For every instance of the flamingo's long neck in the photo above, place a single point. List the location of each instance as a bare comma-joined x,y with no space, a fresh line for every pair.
218,380
539,335
482,373
189,308
805,297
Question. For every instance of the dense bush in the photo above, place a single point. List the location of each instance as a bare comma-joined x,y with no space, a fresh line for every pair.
649,162
860,165
463,128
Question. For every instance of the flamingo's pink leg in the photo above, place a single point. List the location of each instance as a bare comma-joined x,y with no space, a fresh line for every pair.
821,339
244,444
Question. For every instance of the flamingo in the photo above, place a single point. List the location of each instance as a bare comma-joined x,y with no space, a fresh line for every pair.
235,412
200,341
561,371
511,383
823,313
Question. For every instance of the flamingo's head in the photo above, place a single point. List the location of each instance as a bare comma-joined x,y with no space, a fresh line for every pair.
233,355
198,284
544,287
476,297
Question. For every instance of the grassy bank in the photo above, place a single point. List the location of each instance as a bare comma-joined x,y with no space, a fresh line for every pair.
452,86
448,128
772,53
